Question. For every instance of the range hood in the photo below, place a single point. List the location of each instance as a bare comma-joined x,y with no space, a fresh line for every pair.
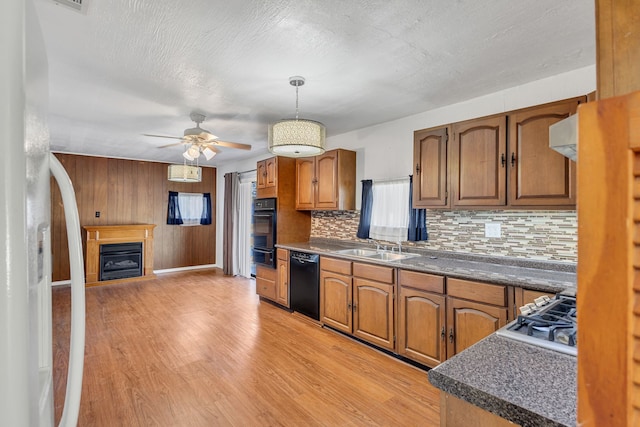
563,137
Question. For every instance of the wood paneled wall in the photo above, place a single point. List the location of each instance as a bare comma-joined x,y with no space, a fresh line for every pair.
132,192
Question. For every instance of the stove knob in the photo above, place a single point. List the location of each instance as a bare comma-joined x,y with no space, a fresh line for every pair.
525,310
543,300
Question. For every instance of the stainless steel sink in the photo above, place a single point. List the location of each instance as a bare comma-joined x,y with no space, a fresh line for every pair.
392,256
372,254
357,252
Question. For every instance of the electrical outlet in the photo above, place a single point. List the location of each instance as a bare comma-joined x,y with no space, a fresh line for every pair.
97,214
492,229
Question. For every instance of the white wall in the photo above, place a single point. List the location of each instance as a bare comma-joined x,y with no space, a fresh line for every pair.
386,150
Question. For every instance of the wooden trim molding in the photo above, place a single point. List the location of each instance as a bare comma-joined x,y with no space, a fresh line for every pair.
97,235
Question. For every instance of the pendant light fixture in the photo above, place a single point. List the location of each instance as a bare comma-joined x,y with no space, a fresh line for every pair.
297,137
184,173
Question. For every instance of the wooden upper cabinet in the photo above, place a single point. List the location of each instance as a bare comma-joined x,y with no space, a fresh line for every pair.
430,174
267,178
540,176
326,182
305,182
478,162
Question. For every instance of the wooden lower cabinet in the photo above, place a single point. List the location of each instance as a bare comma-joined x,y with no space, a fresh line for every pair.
266,282
335,300
421,326
282,279
362,303
468,322
373,312
456,412
421,317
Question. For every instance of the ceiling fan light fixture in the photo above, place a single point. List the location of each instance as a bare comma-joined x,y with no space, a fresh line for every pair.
192,153
208,153
297,137
184,173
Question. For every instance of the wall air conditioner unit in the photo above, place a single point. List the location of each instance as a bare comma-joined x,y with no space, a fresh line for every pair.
563,137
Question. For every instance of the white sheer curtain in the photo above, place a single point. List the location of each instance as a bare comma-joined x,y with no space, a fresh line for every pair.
190,208
244,224
390,212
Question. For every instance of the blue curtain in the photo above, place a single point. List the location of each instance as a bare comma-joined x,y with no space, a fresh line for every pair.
417,219
173,213
365,209
206,209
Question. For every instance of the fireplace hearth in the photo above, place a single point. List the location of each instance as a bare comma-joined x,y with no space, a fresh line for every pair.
120,261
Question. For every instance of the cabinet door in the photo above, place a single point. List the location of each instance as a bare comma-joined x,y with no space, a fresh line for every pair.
283,282
373,314
468,322
335,300
421,328
326,188
478,162
271,166
261,174
305,183
539,176
430,174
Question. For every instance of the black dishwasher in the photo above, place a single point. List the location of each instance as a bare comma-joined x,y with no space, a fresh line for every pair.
304,284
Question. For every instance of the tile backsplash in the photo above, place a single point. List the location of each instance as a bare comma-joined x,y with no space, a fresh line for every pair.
543,235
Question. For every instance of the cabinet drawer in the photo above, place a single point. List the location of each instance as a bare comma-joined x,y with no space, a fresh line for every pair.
266,288
336,265
283,254
476,291
423,281
266,282
373,272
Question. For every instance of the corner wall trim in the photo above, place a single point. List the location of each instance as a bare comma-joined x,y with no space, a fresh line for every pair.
61,283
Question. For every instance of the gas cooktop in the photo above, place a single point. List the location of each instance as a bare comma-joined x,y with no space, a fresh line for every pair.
547,322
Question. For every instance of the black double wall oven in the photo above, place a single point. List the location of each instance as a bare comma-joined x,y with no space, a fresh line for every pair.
264,232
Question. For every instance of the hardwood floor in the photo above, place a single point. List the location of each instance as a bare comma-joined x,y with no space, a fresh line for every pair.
200,349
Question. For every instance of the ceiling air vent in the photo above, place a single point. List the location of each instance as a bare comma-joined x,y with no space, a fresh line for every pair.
77,5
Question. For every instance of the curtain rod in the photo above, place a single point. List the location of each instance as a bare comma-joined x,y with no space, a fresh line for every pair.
400,178
250,170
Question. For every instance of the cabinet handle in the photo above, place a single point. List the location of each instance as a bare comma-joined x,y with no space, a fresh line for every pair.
451,335
417,168
502,160
513,159
349,306
443,333
315,181
354,307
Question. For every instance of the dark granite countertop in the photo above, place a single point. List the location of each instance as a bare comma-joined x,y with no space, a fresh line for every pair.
522,383
549,276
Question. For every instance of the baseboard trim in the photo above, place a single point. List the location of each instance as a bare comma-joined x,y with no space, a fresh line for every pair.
191,267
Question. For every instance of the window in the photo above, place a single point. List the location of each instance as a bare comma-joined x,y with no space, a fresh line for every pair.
189,208
390,212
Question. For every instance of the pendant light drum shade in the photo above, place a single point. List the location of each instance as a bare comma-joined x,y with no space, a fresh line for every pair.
297,138
184,173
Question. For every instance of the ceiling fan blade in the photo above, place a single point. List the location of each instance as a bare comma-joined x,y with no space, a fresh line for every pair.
232,144
172,145
162,136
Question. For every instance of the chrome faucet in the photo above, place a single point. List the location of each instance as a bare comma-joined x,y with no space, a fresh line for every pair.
399,248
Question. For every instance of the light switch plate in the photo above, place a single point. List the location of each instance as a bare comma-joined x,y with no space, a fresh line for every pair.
492,229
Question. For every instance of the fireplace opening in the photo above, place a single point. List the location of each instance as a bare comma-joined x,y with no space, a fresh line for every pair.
120,260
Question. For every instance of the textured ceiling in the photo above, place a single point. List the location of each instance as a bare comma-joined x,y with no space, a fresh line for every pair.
129,67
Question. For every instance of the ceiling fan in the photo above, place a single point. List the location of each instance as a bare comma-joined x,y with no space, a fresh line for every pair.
200,141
